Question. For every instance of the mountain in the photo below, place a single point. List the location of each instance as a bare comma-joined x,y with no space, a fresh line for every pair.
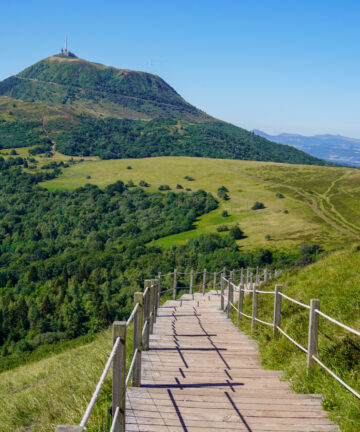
95,87
87,108
334,148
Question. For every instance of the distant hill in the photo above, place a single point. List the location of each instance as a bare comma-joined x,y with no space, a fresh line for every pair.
90,109
334,148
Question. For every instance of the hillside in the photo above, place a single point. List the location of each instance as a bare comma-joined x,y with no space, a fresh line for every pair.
35,397
335,281
334,148
302,203
91,109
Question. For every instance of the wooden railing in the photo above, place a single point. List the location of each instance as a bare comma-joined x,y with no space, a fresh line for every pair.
143,316
250,287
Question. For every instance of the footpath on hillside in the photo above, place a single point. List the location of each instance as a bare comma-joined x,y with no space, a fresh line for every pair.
203,374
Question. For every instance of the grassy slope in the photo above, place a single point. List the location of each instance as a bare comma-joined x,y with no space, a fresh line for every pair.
245,181
335,281
102,89
56,390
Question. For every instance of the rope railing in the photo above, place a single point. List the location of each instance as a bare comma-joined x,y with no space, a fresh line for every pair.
264,322
114,422
312,350
294,301
100,384
131,367
351,330
291,339
132,316
354,392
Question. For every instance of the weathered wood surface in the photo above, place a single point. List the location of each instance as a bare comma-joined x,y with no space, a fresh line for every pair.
203,374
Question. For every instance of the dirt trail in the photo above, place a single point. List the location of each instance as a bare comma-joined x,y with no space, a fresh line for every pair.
314,206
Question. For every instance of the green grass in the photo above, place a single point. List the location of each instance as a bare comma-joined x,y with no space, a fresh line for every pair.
247,182
56,390
333,281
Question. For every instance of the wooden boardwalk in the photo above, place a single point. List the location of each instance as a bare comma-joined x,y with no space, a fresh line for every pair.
203,374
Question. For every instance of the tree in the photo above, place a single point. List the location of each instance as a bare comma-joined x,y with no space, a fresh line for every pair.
236,233
258,206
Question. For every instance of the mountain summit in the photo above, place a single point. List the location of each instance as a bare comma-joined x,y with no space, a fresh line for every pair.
90,109
119,92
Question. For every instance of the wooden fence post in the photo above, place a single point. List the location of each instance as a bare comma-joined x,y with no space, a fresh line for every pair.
158,294
214,281
247,275
119,375
241,297
313,333
228,299
222,286
175,284
277,309
191,281
230,293
160,283
204,282
254,305
146,302
155,299
138,325
152,305
265,275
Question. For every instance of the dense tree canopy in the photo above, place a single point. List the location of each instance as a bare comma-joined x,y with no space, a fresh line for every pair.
113,138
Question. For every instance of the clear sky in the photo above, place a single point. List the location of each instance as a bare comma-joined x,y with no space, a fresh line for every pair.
275,65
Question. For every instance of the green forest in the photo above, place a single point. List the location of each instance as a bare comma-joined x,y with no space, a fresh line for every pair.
21,134
112,138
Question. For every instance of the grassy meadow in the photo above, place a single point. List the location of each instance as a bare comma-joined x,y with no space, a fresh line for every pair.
56,390
318,204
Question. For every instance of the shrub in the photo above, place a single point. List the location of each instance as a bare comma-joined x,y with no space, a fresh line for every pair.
178,186
268,237
222,228
258,205
143,183
225,213
164,187
13,152
236,233
286,211
221,192
130,183
88,177
128,167
280,195
189,178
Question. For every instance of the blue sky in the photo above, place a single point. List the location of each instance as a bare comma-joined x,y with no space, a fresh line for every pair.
275,65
